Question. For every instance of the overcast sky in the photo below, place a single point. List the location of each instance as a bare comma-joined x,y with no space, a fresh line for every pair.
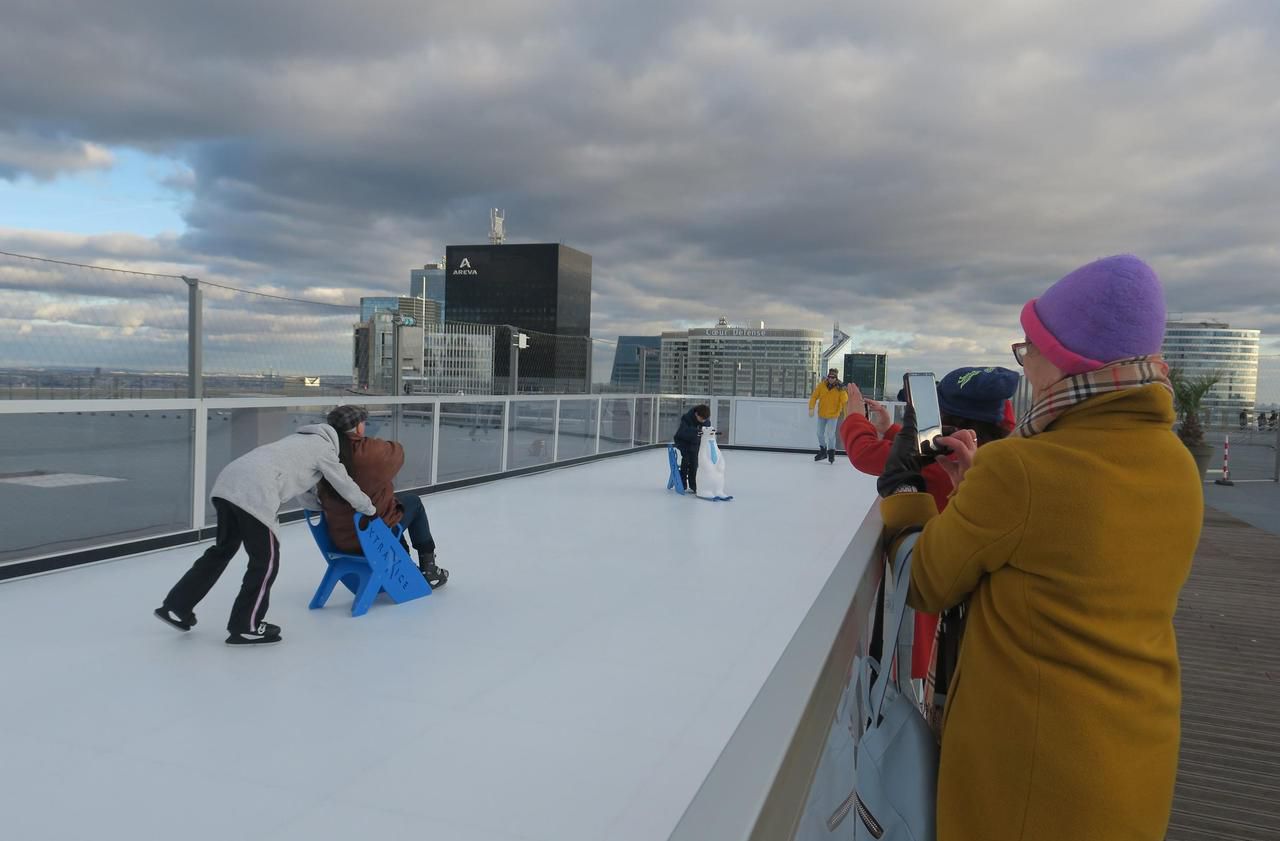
913,170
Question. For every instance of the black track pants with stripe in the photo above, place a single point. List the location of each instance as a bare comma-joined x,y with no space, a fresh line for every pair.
235,527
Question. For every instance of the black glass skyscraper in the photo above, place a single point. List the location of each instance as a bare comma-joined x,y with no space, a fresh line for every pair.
541,289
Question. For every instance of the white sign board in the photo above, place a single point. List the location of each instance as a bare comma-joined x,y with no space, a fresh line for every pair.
311,382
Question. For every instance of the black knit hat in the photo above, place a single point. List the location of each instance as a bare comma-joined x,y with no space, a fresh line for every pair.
346,418
977,393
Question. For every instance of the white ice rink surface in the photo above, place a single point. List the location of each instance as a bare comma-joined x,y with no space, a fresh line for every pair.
596,646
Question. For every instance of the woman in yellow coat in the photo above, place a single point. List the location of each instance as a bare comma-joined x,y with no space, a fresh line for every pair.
1070,541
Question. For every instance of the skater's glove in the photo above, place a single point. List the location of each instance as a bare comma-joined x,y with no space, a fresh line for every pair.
902,469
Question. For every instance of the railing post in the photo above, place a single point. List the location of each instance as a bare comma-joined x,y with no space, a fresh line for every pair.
653,420
199,463
599,421
1276,476
635,407
506,419
555,434
435,441
195,338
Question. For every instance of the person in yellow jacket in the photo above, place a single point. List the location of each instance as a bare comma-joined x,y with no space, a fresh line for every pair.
830,398
1070,541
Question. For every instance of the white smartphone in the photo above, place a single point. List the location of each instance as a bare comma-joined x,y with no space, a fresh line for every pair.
922,395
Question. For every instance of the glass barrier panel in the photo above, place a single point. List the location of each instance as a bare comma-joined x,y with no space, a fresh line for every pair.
775,423
470,440
724,421
70,480
669,412
577,429
530,428
412,426
644,421
615,426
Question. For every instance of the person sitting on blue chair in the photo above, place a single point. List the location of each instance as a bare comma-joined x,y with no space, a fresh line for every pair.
373,463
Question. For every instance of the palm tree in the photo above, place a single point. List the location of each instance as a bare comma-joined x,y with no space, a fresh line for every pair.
1188,394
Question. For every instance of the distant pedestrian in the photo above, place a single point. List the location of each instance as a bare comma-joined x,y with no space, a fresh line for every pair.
1275,419
247,496
1244,419
829,399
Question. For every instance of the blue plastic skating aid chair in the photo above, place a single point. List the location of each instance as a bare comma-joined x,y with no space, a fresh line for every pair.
384,567
674,482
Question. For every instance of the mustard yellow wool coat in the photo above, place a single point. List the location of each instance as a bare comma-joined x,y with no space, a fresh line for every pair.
1072,547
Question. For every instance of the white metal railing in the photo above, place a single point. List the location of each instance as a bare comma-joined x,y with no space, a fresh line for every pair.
767,770
542,425
771,782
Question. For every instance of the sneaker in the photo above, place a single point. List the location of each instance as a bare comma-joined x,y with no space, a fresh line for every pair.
821,454
179,620
436,576
265,634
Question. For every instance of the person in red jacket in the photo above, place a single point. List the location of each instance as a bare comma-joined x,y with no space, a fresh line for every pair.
970,398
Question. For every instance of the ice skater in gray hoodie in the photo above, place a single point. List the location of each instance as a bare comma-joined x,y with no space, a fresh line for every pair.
247,496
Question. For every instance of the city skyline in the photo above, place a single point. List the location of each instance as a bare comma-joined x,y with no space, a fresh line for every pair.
915,173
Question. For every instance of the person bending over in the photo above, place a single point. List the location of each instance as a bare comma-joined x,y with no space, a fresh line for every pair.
247,495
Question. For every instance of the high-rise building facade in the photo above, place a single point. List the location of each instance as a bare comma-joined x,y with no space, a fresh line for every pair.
375,343
539,288
725,360
636,364
428,282
422,311
1213,348
456,360
867,372
841,344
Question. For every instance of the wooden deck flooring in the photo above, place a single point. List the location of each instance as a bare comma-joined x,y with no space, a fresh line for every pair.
1229,642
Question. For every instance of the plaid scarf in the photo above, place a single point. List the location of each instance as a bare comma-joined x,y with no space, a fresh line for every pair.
942,666
1072,391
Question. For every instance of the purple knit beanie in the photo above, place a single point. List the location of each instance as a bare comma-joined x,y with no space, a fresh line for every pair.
1107,310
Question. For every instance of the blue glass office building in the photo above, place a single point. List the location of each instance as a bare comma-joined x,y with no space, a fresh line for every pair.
631,353
429,281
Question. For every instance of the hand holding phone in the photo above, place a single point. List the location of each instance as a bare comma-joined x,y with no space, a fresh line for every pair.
922,396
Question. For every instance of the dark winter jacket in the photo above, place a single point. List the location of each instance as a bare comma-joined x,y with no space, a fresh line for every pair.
687,436
374,465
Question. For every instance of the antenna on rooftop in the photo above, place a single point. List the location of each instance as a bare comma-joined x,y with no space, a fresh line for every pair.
497,226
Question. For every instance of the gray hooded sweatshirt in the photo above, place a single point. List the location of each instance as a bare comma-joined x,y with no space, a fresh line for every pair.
265,478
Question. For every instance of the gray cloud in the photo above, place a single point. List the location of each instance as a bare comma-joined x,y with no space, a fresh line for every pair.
45,157
918,171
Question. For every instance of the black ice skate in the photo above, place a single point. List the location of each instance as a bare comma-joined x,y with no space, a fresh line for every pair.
181,621
265,634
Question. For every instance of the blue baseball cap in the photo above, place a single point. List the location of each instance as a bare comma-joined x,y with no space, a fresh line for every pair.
977,393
